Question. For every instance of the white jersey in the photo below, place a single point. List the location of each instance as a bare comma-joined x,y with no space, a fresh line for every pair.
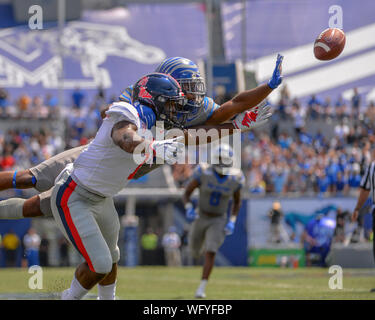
104,168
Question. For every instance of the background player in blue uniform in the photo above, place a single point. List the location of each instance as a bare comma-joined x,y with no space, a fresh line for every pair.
217,184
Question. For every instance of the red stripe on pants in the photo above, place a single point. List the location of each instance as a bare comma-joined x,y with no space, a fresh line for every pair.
64,205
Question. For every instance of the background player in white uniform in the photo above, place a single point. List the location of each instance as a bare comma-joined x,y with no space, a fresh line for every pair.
216,188
203,113
81,200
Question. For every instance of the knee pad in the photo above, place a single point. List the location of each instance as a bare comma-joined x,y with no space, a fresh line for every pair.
115,255
103,264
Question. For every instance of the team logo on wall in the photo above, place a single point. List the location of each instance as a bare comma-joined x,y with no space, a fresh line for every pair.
34,57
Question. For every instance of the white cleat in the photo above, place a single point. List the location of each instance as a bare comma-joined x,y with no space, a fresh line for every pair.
200,295
65,295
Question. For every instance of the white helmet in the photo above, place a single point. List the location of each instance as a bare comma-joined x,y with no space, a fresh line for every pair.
223,158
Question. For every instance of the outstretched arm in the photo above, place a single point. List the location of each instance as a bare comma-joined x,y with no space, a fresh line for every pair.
244,121
247,99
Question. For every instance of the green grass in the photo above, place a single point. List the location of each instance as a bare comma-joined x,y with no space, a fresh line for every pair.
225,283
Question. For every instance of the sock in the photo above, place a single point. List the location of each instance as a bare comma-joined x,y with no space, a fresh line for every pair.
107,292
202,286
11,208
75,292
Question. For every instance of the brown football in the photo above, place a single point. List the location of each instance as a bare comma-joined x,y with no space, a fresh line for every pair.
329,44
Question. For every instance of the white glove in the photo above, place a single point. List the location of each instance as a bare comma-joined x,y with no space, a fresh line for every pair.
254,118
168,149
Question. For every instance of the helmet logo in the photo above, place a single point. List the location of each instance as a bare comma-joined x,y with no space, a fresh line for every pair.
144,94
143,81
142,90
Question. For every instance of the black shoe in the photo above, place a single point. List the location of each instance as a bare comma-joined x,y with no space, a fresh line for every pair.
372,290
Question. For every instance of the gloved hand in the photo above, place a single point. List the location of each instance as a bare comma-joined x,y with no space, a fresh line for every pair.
190,213
229,228
253,118
146,114
169,149
276,78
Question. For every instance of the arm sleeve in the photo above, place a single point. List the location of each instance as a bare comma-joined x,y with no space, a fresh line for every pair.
122,111
126,95
209,106
365,181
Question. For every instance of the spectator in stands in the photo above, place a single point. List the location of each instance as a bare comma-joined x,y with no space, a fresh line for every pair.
78,96
298,114
342,185
11,243
171,243
356,102
314,107
38,109
4,102
323,183
342,130
52,104
354,176
23,103
7,161
340,108
31,242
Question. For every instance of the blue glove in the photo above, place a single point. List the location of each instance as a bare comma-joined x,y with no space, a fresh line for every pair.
190,213
146,114
229,228
276,76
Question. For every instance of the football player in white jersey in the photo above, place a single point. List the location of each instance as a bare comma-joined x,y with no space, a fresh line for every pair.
81,199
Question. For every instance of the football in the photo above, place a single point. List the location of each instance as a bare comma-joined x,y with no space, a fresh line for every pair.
329,44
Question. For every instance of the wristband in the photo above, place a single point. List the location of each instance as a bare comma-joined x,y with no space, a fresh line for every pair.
14,180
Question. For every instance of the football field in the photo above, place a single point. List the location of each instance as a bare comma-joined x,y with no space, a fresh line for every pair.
146,283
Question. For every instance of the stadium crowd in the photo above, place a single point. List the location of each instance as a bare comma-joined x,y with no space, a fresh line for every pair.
274,162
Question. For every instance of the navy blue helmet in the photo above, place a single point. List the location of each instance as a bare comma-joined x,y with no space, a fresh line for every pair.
163,94
187,74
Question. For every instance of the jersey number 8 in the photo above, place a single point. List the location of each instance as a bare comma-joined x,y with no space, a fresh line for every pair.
215,198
